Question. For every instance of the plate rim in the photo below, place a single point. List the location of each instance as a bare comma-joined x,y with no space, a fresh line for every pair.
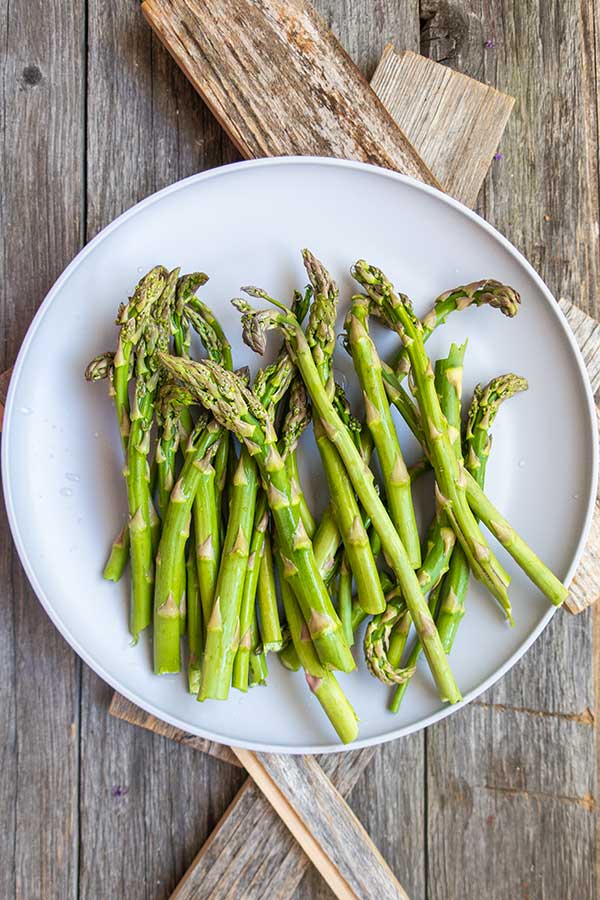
88,658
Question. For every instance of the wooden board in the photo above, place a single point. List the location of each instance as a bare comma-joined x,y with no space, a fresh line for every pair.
428,100
278,81
41,214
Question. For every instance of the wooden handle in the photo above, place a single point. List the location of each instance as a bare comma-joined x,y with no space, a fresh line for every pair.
323,824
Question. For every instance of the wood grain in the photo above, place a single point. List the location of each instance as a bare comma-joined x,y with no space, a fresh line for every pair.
279,82
41,116
514,779
323,824
445,115
147,803
274,857
124,709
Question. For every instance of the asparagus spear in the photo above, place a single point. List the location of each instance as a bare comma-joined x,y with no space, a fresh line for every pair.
154,339
397,312
200,451
218,348
270,626
478,293
322,683
345,600
241,665
320,336
414,654
255,325
296,421
238,409
485,510
386,635
381,426
258,658
482,412
448,384
223,628
194,618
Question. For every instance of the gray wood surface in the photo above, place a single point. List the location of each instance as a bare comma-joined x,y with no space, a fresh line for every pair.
498,800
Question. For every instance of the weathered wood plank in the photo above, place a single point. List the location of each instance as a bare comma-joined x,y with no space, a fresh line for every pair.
273,857
236,51
427,101
124,709
40,216
543,55
323,824
364,28
511,779
147,804
511,804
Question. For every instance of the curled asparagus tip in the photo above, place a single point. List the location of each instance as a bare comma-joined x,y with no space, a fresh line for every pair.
99,367
487,291
259,294
379,289
255,324
376,645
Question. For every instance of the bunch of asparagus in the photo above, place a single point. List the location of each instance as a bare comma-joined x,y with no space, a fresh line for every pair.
222,543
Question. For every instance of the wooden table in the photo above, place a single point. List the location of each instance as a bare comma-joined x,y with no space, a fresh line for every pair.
500,799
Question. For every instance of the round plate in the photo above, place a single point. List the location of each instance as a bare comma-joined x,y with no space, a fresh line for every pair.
243,224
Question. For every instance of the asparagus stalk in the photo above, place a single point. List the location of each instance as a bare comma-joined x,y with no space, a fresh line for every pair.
482,412
441,546
295,423
241,665
414,655
479,293
255,325
322,683
218,348
258,658
397,312
194,619
270,626
345,600
142,521
320,336
168,592
223,628
119,554
381,426
238,409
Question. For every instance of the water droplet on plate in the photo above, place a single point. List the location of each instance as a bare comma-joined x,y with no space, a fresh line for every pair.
575,496
25,410
521,463
140,269
66,492
96,434
72,476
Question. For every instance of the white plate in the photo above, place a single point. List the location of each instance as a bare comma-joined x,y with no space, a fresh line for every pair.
243,224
